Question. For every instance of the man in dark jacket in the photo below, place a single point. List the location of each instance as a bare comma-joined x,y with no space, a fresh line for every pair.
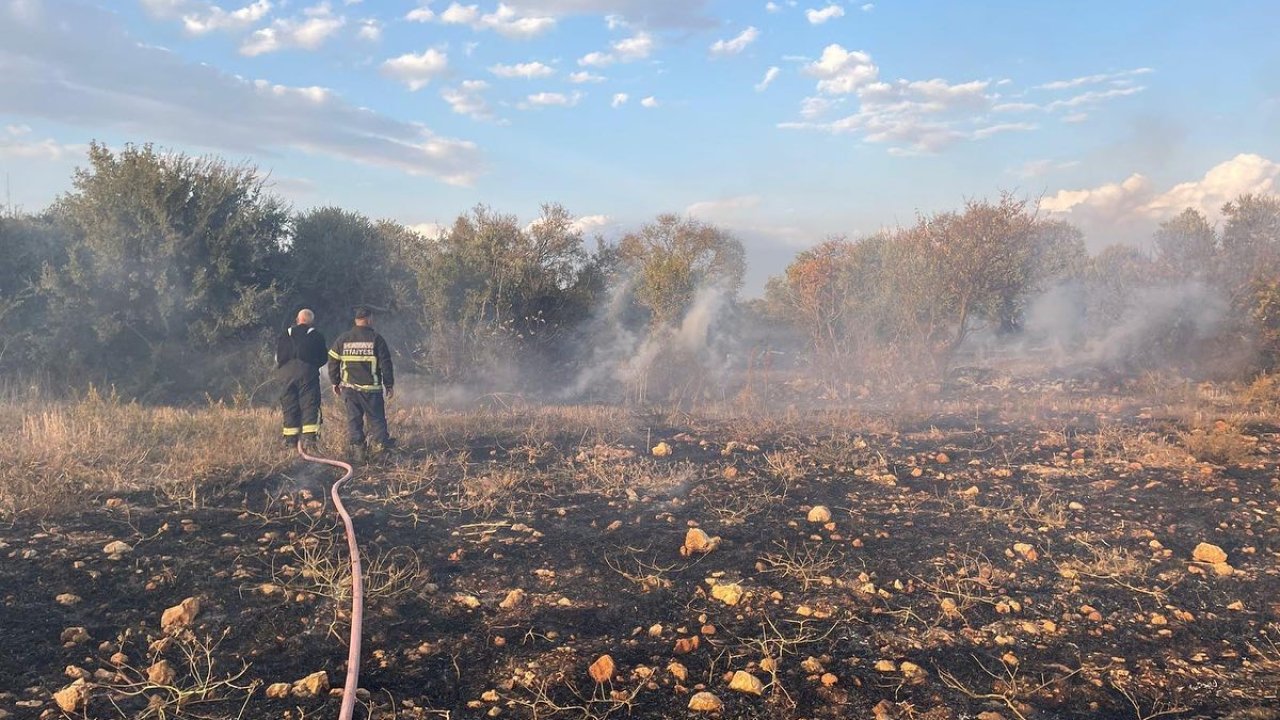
300,353
361,373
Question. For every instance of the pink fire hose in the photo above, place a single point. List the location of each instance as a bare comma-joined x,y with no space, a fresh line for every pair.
357,586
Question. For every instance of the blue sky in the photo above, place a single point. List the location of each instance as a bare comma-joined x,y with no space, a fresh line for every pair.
785,122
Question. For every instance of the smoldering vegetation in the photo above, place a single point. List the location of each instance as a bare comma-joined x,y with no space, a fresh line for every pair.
163,277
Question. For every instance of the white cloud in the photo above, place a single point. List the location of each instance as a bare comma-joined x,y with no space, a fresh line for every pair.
420,14
550,99
619,99
812,108
1129,210
417,70
506,20
467,99
769,76
200,16
15,142
585,76
1122,77
736,45
1093,97
83,69
830,12
772,7
723,210
370,30
649,102
528,71
636,47
429,230
308,32
657,14
591,223
841,71
868,7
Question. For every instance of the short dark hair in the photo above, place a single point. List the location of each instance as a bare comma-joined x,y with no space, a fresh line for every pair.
363,313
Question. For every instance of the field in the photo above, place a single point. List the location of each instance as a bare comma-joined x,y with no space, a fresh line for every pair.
994,548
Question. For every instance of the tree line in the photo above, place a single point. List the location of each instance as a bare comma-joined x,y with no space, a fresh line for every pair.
164,276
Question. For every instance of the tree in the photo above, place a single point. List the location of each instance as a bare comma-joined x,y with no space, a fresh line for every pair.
169,256
672,258
29,245
1187,244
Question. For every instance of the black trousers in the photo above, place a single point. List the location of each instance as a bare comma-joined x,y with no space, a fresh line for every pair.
361,405
300,399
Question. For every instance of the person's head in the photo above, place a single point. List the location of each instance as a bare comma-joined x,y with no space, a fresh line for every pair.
364,316
306,317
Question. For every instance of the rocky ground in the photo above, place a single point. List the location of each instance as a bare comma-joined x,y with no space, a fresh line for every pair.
1010,553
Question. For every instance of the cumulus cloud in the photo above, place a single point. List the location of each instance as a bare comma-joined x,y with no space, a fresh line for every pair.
591,224
550,99
506,20
649,102
830,12
528,71
655,14
585,76
429,230
417,70
636,47
422,13
619,99
370,30
83,69
467,98
769,76
1132,207
307,32
735,45
16,142
200,17
841,71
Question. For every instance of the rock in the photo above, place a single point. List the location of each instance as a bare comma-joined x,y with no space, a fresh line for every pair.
829,679
1223,569
990,715
819,514
885,666
513,599
468,601
769,665
278,691
119,659
1026,551
745,682
811,665
655,630
661,450
728,594
75,635
68,599
705,702
942,458
181,615
602,669
490,696
686,645
161,673
313,685
678,671
72,698
910,669
1237,605
697,542
1073,505
117,548
76,672
1207,553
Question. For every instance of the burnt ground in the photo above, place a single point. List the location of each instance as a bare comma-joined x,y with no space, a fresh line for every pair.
1002,553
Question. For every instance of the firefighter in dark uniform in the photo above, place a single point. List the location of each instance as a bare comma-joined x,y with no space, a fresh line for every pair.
362,375
300,353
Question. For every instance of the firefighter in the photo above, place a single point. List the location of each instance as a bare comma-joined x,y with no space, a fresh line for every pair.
361,373
300,353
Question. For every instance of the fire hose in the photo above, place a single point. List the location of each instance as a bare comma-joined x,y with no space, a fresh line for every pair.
357,585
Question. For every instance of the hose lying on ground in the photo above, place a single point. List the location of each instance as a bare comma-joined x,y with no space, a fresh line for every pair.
357,585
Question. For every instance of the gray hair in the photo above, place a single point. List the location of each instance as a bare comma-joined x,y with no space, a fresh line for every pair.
306,317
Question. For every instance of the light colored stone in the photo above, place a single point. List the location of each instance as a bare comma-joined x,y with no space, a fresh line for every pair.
661,450
686,645
819,514
1208,553
75,635
468,601
745,682
278,691
117,547
513,599
678,671
181,615
1026,551
829,679
72,698
68,599
697,542
160,673
705,702
602,669
729,594
313,685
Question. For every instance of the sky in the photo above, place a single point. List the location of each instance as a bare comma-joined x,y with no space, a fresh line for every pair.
784,122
